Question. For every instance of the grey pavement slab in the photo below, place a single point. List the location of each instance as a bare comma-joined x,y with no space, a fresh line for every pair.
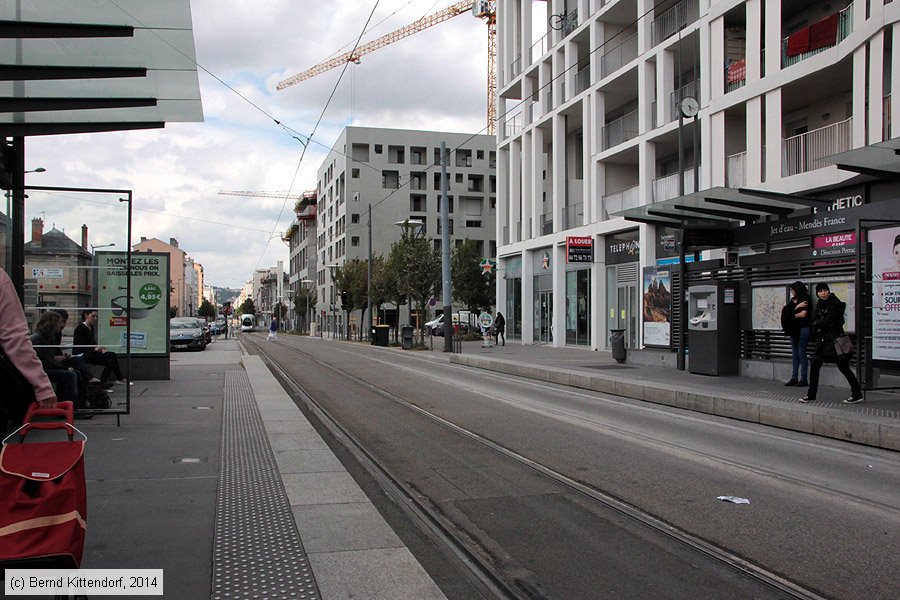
342,527
382,574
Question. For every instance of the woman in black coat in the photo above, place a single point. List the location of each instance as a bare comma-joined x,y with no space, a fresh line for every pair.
828,324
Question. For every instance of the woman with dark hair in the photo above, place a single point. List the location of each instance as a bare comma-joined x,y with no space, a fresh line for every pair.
828,324
796,321
44,341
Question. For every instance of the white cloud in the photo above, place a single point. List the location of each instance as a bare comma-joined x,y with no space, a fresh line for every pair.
433,80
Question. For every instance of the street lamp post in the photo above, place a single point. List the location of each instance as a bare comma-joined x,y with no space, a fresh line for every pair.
331,269
95,246
16,211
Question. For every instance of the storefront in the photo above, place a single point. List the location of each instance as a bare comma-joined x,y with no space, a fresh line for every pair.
511,270
623,308
542,300
579,259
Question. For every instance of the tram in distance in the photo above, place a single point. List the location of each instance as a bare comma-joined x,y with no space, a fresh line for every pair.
247,323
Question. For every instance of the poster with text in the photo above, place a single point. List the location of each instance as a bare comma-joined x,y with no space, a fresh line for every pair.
149,312
885,293
657,307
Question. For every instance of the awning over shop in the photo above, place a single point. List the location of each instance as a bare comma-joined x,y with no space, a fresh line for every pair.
879,160
721,207
73,67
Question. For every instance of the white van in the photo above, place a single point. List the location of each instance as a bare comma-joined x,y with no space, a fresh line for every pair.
247,323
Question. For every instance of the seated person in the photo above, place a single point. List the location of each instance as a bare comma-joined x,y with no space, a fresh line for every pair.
85,343
44,341
76,362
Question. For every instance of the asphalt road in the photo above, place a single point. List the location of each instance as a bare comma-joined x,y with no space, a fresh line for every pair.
823,514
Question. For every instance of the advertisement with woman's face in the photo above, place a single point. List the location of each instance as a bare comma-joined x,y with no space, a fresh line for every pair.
885,293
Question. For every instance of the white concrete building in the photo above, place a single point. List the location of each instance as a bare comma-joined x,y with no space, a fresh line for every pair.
589,121
397,172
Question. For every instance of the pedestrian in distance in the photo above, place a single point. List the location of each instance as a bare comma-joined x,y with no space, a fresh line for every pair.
827,325
500,329
273,331
21,367
796,322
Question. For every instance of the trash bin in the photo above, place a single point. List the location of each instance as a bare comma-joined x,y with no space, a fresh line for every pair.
617,342
406,337
380,335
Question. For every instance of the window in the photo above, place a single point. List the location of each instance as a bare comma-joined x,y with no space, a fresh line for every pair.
417,203
459,178
440,229
472,206
360,152
479,154
396,154
354,173
377,148
354,218
492,159
390,180
418,155
473,224
354,241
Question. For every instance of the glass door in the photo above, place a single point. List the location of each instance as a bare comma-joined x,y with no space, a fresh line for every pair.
545,326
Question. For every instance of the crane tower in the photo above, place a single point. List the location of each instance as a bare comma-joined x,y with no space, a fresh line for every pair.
482,9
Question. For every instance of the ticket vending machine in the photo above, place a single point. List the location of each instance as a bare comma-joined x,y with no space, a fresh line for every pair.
714,330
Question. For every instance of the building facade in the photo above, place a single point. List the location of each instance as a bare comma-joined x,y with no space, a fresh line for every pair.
301,238
181,293
397,172
618,107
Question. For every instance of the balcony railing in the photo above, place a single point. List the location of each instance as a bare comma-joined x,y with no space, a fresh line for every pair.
678,17
622,200
886,118
844,29
539,48
665,188
620,130
514,125
619,56
573,215
736,170
802,153
515,67
547,223
582,80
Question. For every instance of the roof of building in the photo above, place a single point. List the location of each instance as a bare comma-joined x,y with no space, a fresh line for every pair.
56,242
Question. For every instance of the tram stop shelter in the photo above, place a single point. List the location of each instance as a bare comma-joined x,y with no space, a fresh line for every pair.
761,241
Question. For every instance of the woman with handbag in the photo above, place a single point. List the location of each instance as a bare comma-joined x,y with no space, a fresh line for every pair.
830,344
22,376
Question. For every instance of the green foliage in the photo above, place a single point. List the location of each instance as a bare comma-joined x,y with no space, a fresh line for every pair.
280,311
471,286
413,270
207,310
247,307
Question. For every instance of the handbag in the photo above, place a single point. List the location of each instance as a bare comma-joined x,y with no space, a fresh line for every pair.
843,346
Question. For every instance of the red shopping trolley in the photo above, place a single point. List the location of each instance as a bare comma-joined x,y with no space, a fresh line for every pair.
43,498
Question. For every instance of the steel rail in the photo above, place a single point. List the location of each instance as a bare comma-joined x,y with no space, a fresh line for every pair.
695,543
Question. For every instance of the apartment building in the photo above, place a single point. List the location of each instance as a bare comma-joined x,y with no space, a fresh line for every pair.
626,126
183,287
397,172
301,237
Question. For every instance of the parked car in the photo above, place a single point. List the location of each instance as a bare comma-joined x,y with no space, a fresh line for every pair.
186,333
458,327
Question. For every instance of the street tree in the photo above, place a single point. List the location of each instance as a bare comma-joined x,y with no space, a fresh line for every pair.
351,281
471,285
207,310
306,298
415,268
247,307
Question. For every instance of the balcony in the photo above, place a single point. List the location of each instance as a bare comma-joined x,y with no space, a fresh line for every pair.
673,20
802,153
573,215
547,223
666,188
735,75
618,201
619,56
688,90
736,170
620,130
582,80
539,48
816,38
514,125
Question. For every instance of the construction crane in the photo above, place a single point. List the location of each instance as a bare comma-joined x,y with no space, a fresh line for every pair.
482,9
260,194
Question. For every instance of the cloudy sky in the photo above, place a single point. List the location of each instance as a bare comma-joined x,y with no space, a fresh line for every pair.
435,80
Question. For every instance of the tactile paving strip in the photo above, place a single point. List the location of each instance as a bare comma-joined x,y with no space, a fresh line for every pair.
257,551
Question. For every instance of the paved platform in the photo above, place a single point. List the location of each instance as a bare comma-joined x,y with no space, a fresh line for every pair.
874,422
217,478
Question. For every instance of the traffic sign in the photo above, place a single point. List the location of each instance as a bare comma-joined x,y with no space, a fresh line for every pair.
486,320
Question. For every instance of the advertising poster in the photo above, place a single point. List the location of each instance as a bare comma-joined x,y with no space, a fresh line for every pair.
885,293
149,313
657,307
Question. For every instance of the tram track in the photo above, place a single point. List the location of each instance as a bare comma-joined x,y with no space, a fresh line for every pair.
490,580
